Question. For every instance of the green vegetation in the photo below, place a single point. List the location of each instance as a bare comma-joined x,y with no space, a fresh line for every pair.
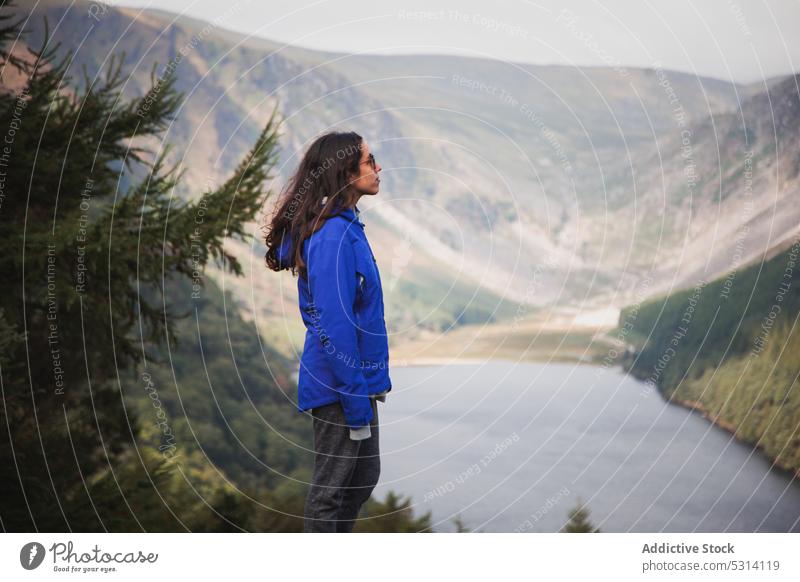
730,348
392,515
579,520
133,399
421,303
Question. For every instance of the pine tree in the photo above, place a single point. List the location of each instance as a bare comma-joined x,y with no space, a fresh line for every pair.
461,527
579,520
394,514
91,239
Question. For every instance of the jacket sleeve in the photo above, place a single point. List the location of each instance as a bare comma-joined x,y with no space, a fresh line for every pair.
331,272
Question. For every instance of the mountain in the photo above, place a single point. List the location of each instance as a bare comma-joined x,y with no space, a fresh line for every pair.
505,184
717,194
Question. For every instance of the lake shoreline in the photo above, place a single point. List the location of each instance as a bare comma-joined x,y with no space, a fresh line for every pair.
446,428
442,361
689,404
698,407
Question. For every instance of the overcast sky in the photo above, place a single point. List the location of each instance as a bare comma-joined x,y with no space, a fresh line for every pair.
742,40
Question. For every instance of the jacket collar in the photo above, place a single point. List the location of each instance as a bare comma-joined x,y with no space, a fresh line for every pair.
353,215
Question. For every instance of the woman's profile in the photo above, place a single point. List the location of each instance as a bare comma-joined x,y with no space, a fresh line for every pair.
317,233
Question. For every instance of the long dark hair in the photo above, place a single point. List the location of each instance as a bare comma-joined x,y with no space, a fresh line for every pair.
318,190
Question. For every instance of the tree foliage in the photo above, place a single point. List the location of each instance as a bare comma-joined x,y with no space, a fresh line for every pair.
91,239
579,520
393,514
135,397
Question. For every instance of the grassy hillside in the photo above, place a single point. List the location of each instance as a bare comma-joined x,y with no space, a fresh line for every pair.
730,348
228,397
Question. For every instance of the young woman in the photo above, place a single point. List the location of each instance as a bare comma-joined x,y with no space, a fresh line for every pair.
316,232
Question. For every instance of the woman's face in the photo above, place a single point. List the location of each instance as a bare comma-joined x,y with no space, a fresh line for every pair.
367,182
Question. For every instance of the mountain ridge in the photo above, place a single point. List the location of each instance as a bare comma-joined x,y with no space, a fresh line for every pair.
541,194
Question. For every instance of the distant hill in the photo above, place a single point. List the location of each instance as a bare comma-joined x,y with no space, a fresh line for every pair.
718,193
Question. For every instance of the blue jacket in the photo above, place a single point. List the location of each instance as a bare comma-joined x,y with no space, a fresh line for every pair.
346,353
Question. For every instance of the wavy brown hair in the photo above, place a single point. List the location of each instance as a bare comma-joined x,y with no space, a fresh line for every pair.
318,190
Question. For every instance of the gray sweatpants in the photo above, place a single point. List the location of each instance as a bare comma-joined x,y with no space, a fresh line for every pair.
345,471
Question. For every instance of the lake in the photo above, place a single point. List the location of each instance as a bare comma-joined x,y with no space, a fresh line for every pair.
512,446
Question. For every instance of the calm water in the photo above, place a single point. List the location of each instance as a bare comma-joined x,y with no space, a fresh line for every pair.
512,446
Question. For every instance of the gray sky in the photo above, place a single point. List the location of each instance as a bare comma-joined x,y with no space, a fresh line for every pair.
741,40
